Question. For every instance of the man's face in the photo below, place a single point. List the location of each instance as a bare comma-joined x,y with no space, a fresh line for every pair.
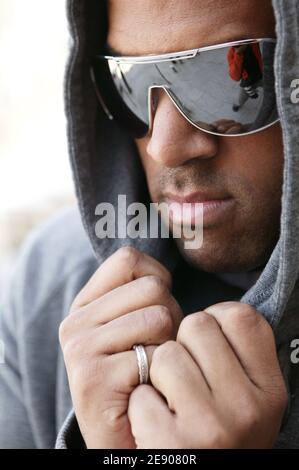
181,161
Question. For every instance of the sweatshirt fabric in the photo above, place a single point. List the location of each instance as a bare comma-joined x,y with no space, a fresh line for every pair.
58,259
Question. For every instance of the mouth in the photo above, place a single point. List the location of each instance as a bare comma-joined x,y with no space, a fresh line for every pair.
199,208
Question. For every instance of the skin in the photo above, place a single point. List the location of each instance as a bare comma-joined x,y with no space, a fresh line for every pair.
179,158
215,379
127,301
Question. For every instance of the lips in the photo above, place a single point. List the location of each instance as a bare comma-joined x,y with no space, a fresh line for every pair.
199,196
198,207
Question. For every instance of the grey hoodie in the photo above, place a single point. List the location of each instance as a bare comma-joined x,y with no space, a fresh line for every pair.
58,259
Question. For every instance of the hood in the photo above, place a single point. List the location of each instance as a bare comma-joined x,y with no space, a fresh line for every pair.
105,162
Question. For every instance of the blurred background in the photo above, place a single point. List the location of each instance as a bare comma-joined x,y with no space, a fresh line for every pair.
35,179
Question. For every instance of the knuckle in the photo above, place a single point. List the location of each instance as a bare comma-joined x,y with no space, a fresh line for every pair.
193,322
266,330
69,325
164,355
128,256
279,405
154,285
158,318
63,330
250,413
242,316
216,438
277,395
71,350
165,319
249,420
163,352
78,348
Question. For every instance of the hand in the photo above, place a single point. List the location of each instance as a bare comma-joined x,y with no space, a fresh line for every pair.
127,301
218,386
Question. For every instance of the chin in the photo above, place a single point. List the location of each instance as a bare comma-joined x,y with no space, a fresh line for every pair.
220,258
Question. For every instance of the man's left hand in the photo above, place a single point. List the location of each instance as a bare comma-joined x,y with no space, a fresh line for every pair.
218,386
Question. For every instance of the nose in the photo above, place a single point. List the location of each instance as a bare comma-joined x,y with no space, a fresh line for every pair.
174,140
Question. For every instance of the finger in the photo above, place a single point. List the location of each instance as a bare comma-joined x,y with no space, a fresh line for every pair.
138,294
178,378
125,265
122,370
149,416
151,325
114,379
251,338
202,337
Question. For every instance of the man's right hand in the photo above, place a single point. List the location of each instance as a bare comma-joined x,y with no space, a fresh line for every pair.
127,301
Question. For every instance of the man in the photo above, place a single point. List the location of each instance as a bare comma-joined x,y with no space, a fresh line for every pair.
218,372
245,63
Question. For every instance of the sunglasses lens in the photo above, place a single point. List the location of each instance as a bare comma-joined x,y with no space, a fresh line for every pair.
229,90
226,91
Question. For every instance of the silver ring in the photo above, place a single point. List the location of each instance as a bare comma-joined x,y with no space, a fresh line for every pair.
142,363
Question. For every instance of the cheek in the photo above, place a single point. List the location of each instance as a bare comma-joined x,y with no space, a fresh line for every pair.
257,158
268,158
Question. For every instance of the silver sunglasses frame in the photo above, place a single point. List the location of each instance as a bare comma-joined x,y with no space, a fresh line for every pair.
186,54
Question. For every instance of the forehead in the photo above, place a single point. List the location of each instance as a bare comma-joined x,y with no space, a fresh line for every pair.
154,26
